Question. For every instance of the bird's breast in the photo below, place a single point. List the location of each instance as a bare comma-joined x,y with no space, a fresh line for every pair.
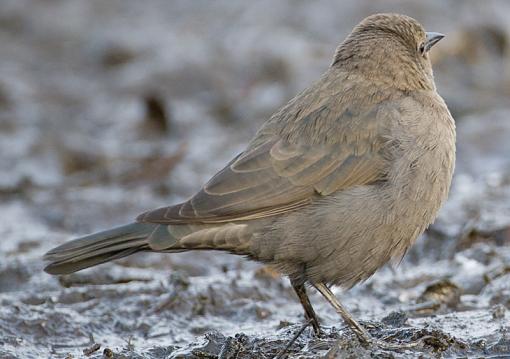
423,163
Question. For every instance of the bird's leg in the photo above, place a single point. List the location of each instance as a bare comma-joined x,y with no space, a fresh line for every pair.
360,332
363,336
307,306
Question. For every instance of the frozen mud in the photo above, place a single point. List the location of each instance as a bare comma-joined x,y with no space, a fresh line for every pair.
111,108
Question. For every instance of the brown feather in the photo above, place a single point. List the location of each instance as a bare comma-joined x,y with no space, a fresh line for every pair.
276,176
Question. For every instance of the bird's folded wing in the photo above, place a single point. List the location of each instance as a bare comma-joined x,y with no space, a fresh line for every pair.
275,177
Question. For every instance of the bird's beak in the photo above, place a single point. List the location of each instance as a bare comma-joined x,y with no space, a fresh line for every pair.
432,39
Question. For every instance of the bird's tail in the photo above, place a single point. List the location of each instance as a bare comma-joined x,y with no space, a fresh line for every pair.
98,248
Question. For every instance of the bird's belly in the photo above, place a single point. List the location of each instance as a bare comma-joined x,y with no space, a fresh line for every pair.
345,238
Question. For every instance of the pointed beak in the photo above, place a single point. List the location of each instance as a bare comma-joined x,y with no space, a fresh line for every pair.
432,39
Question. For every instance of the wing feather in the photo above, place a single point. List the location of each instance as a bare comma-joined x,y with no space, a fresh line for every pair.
279,174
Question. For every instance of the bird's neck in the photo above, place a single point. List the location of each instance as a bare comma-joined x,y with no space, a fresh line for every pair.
389,65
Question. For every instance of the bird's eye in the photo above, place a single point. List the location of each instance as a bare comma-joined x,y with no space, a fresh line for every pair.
421,48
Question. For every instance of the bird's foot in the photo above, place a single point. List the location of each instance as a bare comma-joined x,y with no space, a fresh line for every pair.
367,341
394,346
363,336
294,338
316,326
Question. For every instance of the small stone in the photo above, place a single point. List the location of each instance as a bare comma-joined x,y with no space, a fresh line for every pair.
445,293
395,319
92,349
498,311
262,313
107,353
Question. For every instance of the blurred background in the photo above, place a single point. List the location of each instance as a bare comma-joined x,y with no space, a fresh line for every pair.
110,108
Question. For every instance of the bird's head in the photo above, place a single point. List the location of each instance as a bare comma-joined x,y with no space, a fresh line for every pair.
391,47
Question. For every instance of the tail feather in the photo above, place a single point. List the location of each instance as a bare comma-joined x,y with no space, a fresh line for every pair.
98,248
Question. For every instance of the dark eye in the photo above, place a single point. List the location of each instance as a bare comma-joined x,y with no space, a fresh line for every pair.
421,48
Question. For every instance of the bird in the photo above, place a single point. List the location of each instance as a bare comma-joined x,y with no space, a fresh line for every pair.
335,184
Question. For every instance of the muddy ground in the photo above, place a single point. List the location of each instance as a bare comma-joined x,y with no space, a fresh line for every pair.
110,108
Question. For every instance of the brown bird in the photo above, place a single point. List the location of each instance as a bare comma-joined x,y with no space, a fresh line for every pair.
335,184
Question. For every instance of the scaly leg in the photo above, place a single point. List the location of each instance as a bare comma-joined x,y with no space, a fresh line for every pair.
360,332
363,336
307,306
